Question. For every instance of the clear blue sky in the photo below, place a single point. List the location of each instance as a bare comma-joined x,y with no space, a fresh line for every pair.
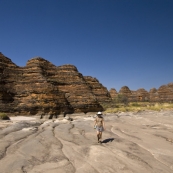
120,42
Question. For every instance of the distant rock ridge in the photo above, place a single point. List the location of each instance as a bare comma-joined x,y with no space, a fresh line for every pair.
163,94
43,88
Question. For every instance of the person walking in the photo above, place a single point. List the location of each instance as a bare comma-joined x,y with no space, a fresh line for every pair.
99,125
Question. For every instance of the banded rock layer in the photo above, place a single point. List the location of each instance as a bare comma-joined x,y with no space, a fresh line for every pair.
163,94
113,92
43,88
101,93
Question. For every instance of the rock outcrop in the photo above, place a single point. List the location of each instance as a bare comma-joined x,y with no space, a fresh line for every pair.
43,88
77,92
139,142
101,93
7,81
141,95
125,91
113,93
154,96
35,92
163,94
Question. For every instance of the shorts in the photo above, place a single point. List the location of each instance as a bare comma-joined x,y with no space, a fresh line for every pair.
99,129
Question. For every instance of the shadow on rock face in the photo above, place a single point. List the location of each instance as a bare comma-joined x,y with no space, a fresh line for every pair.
108,140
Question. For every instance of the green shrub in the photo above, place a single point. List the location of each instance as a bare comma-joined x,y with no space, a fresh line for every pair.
120,98
135,104
3,116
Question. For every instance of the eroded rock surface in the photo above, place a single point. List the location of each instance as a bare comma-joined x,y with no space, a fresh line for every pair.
77,92
43,88
113,93
132,143
154,96
163,94
101,93
140,95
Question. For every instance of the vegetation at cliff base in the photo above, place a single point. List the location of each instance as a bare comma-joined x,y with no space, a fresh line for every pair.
121,104
3,116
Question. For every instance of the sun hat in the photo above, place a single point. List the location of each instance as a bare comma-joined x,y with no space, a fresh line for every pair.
99,113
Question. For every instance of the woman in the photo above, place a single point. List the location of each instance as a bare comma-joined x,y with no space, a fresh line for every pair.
100,126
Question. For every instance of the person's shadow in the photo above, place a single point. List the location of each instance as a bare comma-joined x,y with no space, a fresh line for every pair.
108,140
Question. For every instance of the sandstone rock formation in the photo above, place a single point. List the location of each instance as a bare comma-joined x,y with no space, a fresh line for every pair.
163,94
141,95
43,88
154,96
77,92
113,93
125,91
101,93
35,93
138,95
7,81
